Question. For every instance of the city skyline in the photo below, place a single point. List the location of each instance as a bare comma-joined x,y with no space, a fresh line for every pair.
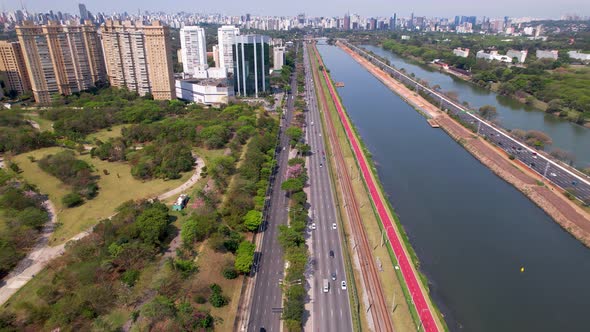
376,8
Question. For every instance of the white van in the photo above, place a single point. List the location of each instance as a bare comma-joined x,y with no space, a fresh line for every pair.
326,285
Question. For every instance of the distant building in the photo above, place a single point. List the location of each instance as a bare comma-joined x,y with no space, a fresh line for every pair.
216,55
278,57
205,91
579,55
139,57
462,52
393,22
346,24
547,54
225,38
251,64
61,59
519,55
405,37
194,48
493,55
12,68
83,12
204,72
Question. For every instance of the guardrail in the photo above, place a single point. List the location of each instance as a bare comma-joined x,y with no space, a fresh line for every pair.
557,174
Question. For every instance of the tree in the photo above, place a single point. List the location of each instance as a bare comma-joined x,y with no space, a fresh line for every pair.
152,223
563,155
292,185
72,199
245,256
555,105
488,112
295,134
253,220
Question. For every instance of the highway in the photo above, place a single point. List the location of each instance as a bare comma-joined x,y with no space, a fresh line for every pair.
331,310
560,175
265,309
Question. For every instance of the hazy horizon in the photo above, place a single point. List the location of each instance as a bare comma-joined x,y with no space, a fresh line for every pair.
377,8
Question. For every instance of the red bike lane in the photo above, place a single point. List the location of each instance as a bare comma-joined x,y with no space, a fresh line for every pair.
404,263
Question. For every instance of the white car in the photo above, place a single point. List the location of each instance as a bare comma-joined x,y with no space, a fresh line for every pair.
313,226
334,226
343,285
553,174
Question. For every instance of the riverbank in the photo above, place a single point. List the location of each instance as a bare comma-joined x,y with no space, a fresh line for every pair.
520,97
551,199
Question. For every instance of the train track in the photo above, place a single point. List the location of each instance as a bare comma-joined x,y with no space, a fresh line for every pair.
377,304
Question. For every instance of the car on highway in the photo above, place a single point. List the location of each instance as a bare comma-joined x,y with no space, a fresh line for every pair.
313,226
553,174
333,275
343,285
334,226
332,253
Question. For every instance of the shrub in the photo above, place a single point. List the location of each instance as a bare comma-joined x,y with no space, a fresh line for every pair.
217,299
130,277
230,273
72,199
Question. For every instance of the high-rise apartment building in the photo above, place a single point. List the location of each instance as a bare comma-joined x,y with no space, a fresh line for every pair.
139,57
251,64
225,38
278,57
194,49
61,59
12,68
346,25
216,55
83,12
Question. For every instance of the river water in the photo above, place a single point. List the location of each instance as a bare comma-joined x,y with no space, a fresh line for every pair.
471,230
512,114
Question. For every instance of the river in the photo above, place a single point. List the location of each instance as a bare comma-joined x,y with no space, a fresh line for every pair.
511,114
471,230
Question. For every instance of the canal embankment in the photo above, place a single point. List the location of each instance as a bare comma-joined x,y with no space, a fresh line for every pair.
548,197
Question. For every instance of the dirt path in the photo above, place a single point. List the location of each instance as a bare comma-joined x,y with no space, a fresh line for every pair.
42,254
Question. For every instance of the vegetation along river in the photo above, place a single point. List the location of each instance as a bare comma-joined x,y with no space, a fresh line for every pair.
511,113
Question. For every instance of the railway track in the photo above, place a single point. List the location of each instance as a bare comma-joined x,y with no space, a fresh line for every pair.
377,304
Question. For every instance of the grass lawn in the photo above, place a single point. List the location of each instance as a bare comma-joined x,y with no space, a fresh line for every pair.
117,187
208,155
211,265
402,319
44,124
105,134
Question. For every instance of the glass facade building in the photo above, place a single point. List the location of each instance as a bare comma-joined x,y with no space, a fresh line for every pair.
251,64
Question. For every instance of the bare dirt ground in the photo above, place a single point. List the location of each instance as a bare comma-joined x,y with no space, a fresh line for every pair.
547,196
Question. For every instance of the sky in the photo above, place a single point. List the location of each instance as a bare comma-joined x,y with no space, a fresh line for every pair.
382,8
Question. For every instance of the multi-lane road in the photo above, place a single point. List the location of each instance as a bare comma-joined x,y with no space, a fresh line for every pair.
265,309
331,310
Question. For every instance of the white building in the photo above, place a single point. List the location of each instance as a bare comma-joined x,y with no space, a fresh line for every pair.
216,55
547,54
462,52
205,91
579,55
278,57
204,72
225,38
493,55
194,48
519,55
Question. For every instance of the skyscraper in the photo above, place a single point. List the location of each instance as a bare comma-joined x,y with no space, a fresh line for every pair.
278,56
225,37
393,22
61,59
83,12
251,64
139,57
346,25
12,68
194,49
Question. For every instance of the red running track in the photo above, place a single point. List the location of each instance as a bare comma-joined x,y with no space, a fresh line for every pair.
404,263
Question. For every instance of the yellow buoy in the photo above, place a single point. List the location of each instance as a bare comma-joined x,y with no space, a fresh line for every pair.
522,269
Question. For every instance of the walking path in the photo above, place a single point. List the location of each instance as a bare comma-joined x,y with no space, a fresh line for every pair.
42,254
410,275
